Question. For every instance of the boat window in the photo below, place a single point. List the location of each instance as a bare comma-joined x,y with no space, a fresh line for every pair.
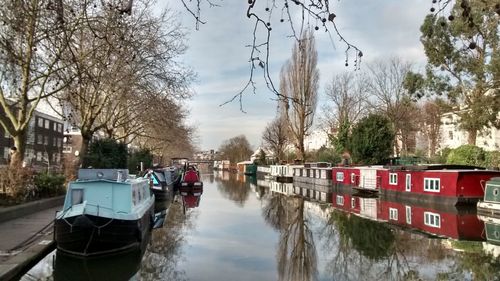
160,176
353,177
393,178
432,184
134,196
495,192
340,176
432,219
393,214
76,196
340,200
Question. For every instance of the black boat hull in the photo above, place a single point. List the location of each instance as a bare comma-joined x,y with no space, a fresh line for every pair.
88,235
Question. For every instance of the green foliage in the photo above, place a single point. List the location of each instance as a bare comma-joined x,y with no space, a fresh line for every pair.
342,140
467,155
106,154
493,159
262,158
136,157
371,140
372,239
48,185
464,62
325,154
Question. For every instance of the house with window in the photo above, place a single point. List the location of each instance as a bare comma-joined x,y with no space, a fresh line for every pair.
44,141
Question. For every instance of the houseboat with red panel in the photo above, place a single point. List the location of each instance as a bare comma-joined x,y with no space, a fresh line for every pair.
439,184
190,182
361,206
365,179
458,224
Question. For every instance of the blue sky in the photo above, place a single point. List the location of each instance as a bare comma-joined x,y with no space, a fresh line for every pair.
217,53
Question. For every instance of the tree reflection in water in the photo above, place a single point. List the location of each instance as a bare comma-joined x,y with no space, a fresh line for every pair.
296,256
163,255
235,187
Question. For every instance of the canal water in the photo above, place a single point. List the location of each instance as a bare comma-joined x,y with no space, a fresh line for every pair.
248,229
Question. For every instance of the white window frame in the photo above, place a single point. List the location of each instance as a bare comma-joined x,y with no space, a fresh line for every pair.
340,200
353,203
6,151
408,214
6,135
339,176
46,140
353,177
432,219
393,179
408,182
393,214
432,184
47,124
40,122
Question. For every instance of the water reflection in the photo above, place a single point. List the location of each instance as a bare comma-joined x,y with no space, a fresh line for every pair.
233,186
75,268
163,254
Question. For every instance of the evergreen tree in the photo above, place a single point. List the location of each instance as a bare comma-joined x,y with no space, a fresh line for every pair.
464,62
372,140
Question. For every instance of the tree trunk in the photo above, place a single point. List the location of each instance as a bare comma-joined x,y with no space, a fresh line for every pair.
472,137
86,138
17,157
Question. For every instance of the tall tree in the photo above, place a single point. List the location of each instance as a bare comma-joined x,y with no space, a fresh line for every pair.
387,86
31,46
463,53
126,70
299,79
430,124
275,137
236,149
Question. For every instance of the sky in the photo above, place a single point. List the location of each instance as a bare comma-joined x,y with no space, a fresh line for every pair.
217,53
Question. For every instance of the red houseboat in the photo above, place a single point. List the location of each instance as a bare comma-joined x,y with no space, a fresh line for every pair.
360,178
459,224
440,184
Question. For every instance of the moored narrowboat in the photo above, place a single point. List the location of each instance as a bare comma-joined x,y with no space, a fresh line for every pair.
104,212
365,179
490,205
440,184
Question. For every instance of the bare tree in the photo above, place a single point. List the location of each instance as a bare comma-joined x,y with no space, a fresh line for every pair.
386,86
125,68
31,46
275,137
347,100
236,149
430,123
299,80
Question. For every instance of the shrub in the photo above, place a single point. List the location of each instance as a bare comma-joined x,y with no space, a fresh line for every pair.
48,185
467,155
492,159
16,185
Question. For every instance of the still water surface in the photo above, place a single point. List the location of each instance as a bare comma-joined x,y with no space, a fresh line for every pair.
249,230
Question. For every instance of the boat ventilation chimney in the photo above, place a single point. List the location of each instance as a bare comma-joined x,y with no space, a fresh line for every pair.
119,176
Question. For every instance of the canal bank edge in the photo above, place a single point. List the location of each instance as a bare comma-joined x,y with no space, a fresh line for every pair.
13,267
17,211
19,264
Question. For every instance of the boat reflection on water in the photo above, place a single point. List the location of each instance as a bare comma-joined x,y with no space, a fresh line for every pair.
122,266
445,221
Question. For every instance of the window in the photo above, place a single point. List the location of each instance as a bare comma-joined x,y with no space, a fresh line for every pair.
54,126
6,152
339,176
7,135
59,142
432,184
353,177
39,156
340,200
47,124
76,196
39,139
408,214
40,122
353,203
432,219
393,178
46,140
59,127
67,148
393,214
